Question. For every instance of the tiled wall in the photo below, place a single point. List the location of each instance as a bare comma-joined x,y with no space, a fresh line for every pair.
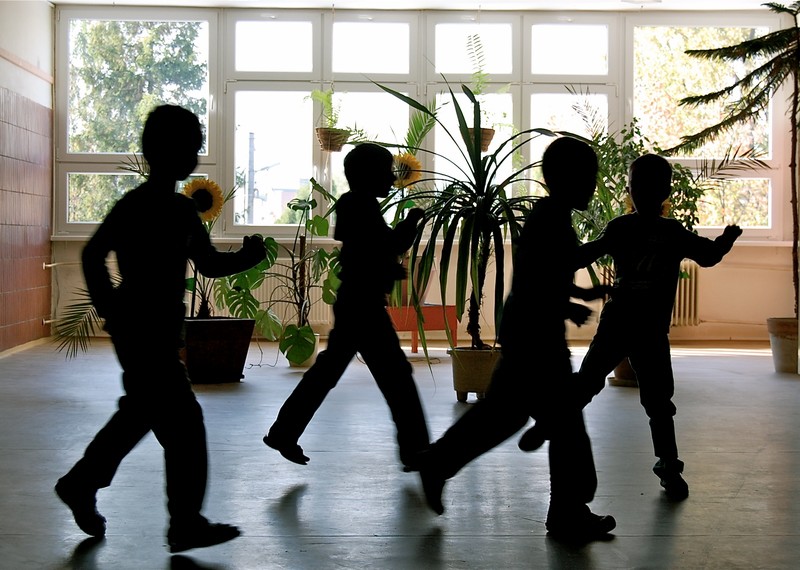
25,206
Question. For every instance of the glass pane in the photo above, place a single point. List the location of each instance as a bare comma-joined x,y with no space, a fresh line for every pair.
274,46
584,114
569,49
371,47
120,70
272,154
453,54
449,159
91,196
377,117
664,74
744,201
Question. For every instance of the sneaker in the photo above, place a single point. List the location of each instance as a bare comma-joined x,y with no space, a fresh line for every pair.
83,504
432,486
290,451
669,472
532,439
201,536
583,527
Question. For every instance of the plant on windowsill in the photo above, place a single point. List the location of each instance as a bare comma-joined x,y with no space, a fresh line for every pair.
777,55
473,212
301,274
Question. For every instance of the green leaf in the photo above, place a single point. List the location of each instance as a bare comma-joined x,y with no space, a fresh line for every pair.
297,343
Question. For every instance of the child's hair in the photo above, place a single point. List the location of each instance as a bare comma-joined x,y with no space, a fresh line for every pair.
650,177
364,163
565,156
167,124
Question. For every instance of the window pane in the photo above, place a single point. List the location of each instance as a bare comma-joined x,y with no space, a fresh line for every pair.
664,74
120,70
91,196
272,154
569,49
584,114
379,116
371,47
453,53
274,46
497,105
744,201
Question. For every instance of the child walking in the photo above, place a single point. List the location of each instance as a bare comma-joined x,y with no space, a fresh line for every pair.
144,315
647,249
534,375
369,260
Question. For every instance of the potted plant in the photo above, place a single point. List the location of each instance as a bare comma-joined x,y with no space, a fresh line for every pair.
474,212
480,78
299,271
331,138
778,57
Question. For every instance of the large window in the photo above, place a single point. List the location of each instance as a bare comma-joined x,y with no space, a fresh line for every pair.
115,70
250,75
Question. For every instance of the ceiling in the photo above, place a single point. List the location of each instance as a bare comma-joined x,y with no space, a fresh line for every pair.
629,5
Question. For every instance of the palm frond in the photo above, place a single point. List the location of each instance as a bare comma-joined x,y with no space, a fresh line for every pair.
78,323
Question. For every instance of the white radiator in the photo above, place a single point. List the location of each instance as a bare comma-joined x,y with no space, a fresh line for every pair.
684,313
321,314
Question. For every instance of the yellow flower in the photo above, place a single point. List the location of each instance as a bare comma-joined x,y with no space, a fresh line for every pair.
207,196
407,170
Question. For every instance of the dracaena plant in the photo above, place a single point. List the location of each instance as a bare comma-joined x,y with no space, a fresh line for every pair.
472,208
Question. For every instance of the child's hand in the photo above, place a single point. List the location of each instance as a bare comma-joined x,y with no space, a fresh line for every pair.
732,232
415,215
578,313
253,247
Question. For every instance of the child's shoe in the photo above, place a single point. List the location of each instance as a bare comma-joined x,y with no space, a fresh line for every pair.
670,474
532,439
83,504
579,526
290,451
200,536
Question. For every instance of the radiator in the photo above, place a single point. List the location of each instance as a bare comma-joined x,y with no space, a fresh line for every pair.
684,313
321,314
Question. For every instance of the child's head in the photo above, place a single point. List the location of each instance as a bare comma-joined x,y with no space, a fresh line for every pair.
650,183
171,139
570,168
368,168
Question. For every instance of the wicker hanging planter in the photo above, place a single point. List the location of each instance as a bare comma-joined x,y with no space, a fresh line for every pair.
486,138
332,140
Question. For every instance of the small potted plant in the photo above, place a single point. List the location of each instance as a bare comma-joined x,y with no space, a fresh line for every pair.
302,274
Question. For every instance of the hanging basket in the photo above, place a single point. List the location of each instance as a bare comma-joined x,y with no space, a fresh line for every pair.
486,138
332,140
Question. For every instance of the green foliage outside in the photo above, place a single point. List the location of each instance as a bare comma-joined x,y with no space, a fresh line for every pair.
119,71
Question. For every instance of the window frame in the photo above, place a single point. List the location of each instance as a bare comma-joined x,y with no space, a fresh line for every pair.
780,230
70,162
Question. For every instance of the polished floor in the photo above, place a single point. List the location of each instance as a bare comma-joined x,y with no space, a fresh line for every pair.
352,506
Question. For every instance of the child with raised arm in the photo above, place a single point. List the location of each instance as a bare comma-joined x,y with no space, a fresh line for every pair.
647,249
154,231
369,260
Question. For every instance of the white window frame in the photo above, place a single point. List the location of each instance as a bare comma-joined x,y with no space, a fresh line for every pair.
780,212
69,162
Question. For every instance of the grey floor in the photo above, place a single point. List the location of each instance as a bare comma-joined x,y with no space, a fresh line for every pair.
352,506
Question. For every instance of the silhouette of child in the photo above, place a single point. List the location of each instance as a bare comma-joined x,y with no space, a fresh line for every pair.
533,377
369,259
154,231
647,250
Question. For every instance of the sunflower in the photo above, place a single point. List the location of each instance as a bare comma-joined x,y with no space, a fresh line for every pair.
207,196
407,170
